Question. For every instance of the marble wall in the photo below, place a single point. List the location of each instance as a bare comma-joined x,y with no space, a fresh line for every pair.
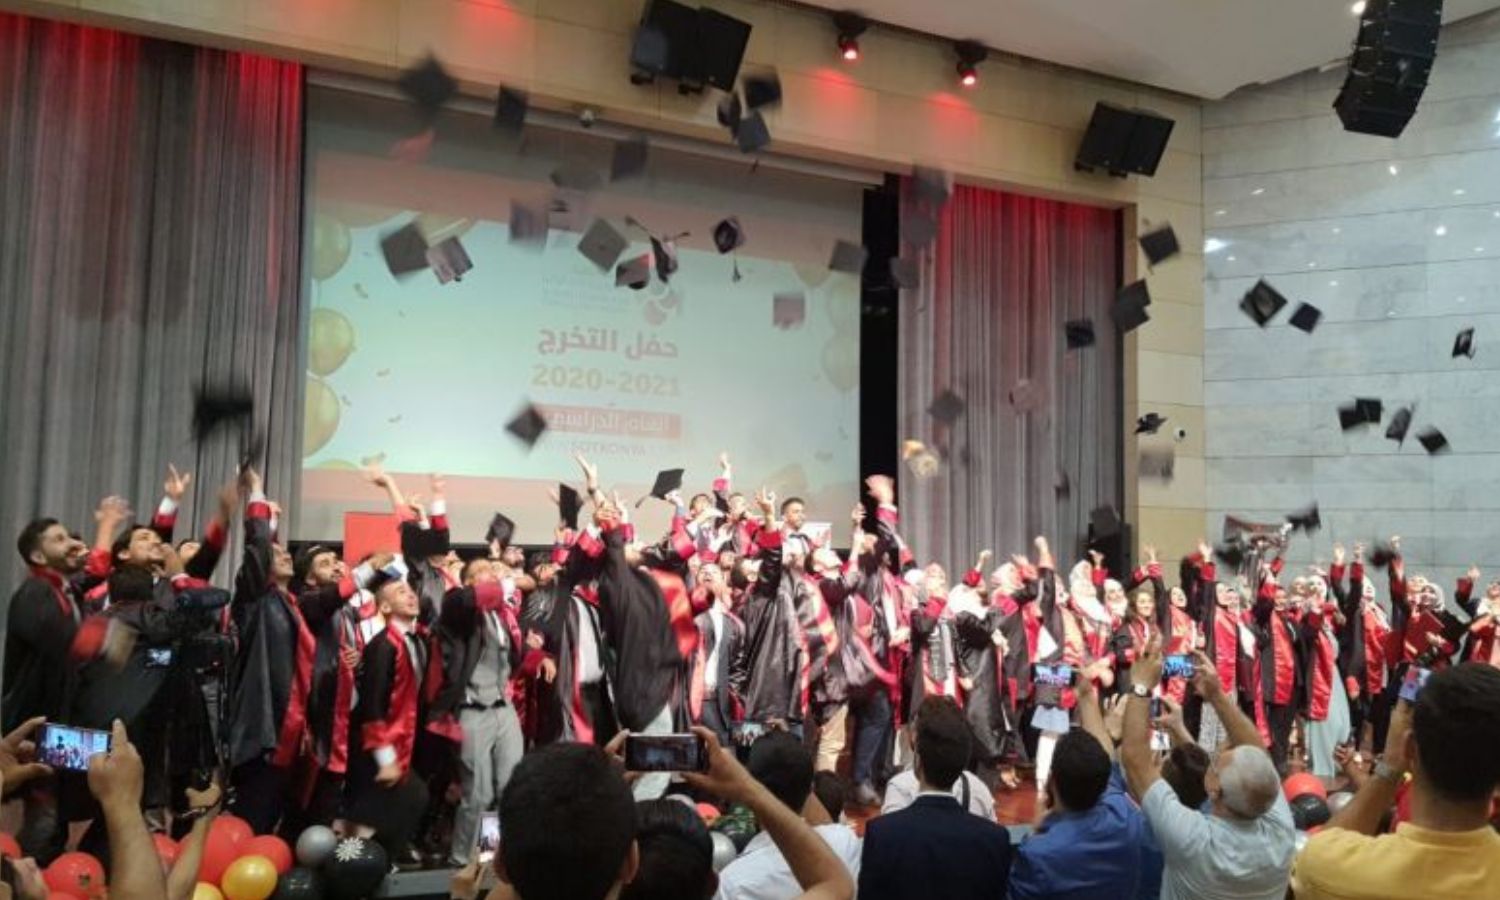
1398,242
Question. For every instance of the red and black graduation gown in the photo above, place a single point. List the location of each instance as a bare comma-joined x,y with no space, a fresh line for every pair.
1321,666
774,644
334,623
1479,643
731,669
644,661
934,664
989,699
42,622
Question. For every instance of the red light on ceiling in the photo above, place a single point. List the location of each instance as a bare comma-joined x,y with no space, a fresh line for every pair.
849,25
968,79
970,55
849,49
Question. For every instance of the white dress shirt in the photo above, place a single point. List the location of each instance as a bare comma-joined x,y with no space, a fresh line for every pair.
762,873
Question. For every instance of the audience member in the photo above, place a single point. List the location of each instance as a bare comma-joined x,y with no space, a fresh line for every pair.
934,848
969,790
676,851
832,791
1448,743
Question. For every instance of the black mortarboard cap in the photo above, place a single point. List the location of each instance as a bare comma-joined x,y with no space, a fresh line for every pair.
405,250
1160,244
847,257
449,260
1370,409
728,235
1150,423
634,272
762,90
919,228
788,309
1433,440
527,425
1062,485
577,176
752,134
510,109
932,184
629,157
428,86
1129,311
1463,344
1306,317
905,273
528,225
1262,302
223,405
1400,424
569,505
1080,333
1350,417
1231,553
501,529
664,252
731,112
1158,462
667,481
1307,520
1381,554
602,244
946,407
1103,522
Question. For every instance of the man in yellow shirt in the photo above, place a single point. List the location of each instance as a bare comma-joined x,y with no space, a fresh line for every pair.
1449,740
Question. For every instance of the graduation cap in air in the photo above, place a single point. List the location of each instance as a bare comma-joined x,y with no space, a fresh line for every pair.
527,425
634,273
1370,409
1307,520
1381,554
1025,396
788,309
729,236
1150,423
1350,416
1463,344
501,529
577,176
762,90
1103,522
405,250
449,260
1262,302
664,253
1062,485
1079,333
905,273
1159,245
428,86
667,481
629,157
1230,553
1400,424
752,133
932,184
919,228
569,505
847,257
731,112
528,226
602,244
946,407
510,109
1433,440
1129,311
1306,317
221,406
1158,462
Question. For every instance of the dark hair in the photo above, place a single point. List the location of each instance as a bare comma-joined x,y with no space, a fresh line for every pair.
302,565
30,538
129,584
122,543
943,741
832,790
567,821
696,497
1184,769
1457,725
677,853
789,501
781,763
1080,770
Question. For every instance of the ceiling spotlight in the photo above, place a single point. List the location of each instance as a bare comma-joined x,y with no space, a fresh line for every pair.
970,55
850,26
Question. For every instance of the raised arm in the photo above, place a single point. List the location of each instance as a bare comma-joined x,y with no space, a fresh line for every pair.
1241,730
375,473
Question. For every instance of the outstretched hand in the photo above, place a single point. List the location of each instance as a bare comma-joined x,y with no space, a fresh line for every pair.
177,483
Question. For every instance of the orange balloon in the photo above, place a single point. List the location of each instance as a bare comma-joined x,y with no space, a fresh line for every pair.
330,248
320,417
330,341
249,878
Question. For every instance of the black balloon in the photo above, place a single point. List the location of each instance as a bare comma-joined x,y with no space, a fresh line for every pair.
1309,811
356,870
298,884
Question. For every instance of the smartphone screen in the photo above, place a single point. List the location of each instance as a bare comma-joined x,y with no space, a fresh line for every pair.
665,753
1055,676
67,747
1416,677
488,839
158,657
1177,665
1155,707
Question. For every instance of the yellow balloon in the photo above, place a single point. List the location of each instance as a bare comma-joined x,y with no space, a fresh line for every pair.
249,878
320,416
330,245
438,227
841,362
205,891
841,301
330,341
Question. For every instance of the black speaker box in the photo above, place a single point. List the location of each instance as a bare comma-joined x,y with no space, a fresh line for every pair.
1388,69
1123,141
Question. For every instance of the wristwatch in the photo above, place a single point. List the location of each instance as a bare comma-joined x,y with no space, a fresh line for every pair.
1393,775
1140,690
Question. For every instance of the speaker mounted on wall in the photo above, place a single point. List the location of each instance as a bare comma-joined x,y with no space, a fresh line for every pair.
1123,141
1388,68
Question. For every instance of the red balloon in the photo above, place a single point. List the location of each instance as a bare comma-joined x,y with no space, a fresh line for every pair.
271,847
218,852
238,829
166,848
1303,783
78,874
9,848
57,895
1315,829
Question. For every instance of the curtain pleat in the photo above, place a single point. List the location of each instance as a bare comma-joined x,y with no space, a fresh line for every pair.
150,197
1038,446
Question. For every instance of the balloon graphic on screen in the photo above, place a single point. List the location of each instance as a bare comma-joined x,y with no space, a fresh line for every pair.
337,465
330,248
438,227
321,416
330,341
841,303
812,274
841,361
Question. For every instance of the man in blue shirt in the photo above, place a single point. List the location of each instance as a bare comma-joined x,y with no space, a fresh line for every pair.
1093,841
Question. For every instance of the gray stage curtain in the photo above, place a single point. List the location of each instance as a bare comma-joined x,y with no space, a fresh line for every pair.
1039,444
150,198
